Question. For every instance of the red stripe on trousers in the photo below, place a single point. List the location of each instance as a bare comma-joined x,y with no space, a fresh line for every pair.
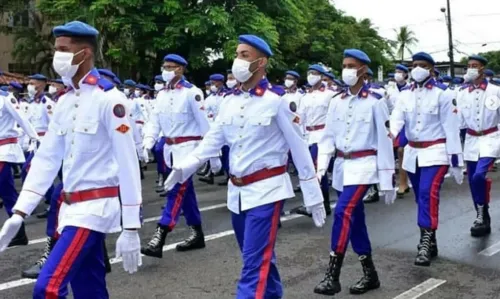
177,205
268,253
69,257
434,196
346,219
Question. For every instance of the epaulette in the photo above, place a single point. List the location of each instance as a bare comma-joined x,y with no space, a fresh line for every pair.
104,84
441,86
3,93
277,90
375,95
183,83
464,86
228,92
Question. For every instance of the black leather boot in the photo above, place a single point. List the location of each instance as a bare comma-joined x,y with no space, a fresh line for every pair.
330,285
20,239
163,193
326,202
482,225
155,247
204,170
369,281
372,195
209,178
434,248
303,211
195,241
33,271
423,257
43,214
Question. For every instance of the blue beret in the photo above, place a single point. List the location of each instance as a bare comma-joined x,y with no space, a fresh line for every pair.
217,77
330,75
317,67
176,59
256,42
106,72
357,54
423,56
129,83
458,80
139,86
370,72
489,73
402,68
293,74
58,81
208,83
38,77
117,81
75,28
390,75
481,59
16,85
159,78
447,78
4,88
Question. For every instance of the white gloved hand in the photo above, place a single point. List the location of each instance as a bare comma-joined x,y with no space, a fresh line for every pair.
174,177
390,196
128,247
318,214
458,174
145,155
9,230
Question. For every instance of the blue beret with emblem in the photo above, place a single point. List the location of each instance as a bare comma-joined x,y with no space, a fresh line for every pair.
217,77
317,67
479,58
424,57
293,74
458,80
176,59
489,73
358,55
159,78
129,82
402,68
39,77
369,72
330,75
256,42
447,78
16,85
75,28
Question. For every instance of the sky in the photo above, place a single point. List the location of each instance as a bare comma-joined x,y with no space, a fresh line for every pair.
474,23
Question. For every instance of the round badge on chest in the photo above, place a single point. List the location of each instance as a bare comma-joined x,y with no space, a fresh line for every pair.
492,102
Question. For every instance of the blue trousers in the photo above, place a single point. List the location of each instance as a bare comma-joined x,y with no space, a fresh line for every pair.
77,258
24,173
313,149
256,230
479,185
52,217
225,158
349,221
427,183
182,196
8,191
158,152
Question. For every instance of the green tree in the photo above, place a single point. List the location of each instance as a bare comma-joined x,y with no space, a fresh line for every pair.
405,39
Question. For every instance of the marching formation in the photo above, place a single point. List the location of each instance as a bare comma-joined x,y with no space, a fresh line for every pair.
93,135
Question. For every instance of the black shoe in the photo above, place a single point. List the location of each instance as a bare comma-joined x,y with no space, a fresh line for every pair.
163,193
302,211
481,226
423,257
155,247
369,281
326,202
195,241
372,195
33,271
107,264
204,170
1,203
330,285
402,194
434,247
20,239
43,214
224,183
220,173
209,178
297,189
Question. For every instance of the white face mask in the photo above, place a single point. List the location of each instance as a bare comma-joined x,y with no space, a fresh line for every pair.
350,76
241,69
420,74
289,83
168,75
213,88
126,91
137,93
62,64
473,74
52,89
159,86
313,79
399,77
31,90
231,83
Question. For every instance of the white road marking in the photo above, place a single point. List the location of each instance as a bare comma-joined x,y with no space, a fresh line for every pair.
423,288
152,219
25,281
492,250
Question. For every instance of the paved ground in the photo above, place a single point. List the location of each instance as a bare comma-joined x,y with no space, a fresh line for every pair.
466,268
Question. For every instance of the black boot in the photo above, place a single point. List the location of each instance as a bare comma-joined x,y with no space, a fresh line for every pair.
326,202
225,182
423,257
220,173
369,281
481,226
209,178
195,241
330,285
155,246
302,211
20,238
159,183
107,264
372,195
43,214
163,193
434,248
204,170
33,271
297,189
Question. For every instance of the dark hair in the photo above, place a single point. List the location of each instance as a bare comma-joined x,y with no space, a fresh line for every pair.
90,41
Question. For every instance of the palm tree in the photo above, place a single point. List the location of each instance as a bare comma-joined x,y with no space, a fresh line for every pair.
405,38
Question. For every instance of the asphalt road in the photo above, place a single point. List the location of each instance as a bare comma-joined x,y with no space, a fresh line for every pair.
466,267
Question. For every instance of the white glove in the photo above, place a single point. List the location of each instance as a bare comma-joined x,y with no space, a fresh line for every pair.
174,178
145,155
9,230
458,174
128,246
318,214
390,196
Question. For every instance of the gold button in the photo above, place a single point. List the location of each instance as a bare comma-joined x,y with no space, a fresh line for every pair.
348,123
72,142
241,127
241,116
76,105
242,107
85,130
241,136
74,117
239,145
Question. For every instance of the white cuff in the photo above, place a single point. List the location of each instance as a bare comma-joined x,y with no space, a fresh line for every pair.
131,216
386,178
148,142
27,202
311,192
188,167
323,162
